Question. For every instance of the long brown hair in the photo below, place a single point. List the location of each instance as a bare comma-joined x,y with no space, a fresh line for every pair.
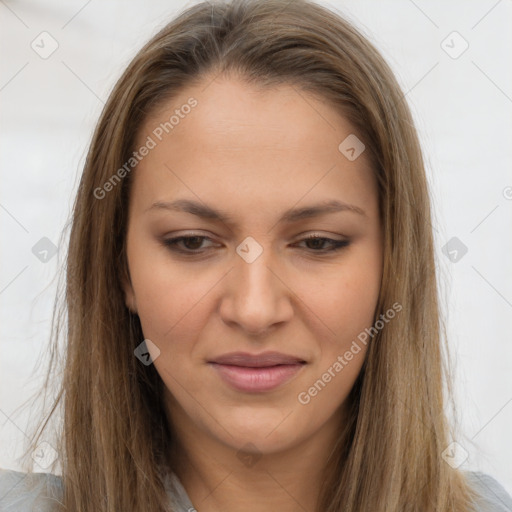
115,441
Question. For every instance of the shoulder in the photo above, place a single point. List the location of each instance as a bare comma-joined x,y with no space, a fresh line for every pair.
493,497
27,492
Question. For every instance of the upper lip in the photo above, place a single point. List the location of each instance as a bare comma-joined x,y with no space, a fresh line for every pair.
256,360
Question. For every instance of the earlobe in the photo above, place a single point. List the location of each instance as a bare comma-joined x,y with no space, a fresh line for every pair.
130,303
129,295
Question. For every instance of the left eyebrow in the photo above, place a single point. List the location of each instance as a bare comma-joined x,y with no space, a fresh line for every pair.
289,216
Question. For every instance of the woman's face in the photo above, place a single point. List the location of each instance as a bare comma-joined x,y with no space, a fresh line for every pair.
253,167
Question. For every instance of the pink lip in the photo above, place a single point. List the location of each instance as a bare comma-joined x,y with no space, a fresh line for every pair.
254,379
256,360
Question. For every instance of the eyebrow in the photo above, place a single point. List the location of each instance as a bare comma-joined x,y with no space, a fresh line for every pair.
289,216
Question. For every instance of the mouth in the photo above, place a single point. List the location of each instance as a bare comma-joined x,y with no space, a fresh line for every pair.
264,360
257,379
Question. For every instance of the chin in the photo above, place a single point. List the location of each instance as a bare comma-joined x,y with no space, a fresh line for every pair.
264,434
258,445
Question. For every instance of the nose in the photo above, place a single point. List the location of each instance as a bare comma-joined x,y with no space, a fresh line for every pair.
257,296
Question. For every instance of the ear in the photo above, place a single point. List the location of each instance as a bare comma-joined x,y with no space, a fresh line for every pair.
129,294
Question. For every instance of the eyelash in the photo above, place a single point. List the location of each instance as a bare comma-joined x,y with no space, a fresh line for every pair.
172,244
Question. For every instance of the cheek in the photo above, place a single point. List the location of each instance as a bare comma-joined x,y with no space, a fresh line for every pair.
345,298
167,295
170,306
346,305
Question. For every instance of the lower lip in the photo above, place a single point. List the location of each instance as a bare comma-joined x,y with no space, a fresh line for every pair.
248,379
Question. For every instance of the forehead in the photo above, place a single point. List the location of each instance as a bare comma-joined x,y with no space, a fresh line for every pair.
240,144
231,113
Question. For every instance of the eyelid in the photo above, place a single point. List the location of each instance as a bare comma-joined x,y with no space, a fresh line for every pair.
336,245
166,240
299,237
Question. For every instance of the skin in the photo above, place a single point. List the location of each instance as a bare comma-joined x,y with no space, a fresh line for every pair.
254,154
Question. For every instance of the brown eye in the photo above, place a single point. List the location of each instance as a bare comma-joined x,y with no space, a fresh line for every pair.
191,244
317,244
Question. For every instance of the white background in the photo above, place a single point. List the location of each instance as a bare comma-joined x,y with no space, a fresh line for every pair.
462,108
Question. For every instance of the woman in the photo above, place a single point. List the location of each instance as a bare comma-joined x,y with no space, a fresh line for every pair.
251,294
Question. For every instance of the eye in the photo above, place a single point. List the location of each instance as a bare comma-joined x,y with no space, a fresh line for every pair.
316,244
193,244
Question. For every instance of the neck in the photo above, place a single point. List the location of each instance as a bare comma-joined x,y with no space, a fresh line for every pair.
219,478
